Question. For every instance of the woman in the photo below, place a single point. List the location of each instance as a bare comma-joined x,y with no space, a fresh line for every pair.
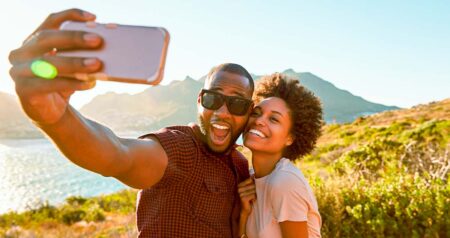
283,126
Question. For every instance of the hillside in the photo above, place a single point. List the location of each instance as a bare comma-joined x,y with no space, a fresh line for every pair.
409,119
385,175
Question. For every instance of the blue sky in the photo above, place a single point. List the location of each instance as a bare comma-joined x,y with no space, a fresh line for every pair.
390,52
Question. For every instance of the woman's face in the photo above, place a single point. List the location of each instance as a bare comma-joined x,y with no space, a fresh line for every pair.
268,128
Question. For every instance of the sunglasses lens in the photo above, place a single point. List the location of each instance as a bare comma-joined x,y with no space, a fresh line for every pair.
211,101
238,106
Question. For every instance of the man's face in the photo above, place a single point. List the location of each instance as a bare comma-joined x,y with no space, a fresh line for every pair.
221,128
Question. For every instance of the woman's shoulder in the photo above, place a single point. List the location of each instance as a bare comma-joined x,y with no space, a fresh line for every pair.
287,177
289,183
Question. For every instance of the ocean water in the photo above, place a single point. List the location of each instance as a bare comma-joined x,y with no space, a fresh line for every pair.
33,171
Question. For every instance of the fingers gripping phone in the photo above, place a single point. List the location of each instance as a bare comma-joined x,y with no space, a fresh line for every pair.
131,54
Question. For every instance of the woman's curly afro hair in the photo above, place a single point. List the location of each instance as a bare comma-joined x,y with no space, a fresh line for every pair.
304,107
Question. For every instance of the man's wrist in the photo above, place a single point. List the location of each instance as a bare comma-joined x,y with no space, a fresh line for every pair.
56,123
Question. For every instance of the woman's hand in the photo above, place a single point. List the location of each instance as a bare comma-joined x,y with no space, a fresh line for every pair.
247,193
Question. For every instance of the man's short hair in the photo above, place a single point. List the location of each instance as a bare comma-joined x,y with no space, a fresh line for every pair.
232,68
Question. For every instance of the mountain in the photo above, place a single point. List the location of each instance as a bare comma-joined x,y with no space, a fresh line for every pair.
151,109
339,105
13,123
175,103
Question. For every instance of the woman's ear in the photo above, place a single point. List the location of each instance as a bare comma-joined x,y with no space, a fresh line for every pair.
290,140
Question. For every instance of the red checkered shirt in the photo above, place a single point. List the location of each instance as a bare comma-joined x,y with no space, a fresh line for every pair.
197,195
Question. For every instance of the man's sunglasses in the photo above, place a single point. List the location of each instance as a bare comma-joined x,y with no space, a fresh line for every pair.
213,100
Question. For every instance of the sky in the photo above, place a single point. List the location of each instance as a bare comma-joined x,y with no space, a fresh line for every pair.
388,52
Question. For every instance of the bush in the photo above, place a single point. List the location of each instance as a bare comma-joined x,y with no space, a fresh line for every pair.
70,215
76,200
74,210
389,181
398,206
122,202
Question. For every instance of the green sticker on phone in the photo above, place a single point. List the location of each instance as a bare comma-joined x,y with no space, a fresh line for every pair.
43,69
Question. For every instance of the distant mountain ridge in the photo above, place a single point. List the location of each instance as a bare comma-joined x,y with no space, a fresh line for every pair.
152,109
339,105
13,122
176,103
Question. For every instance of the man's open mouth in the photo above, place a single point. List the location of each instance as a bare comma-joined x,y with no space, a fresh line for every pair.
219,133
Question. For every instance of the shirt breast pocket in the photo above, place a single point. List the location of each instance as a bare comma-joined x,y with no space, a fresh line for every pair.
214,202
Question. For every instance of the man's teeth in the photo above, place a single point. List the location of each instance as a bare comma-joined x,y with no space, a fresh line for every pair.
220,127
256,132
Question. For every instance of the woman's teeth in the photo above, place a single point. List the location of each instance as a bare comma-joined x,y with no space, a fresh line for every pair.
258,133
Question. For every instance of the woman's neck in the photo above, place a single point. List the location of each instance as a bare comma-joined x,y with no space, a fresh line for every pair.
264,164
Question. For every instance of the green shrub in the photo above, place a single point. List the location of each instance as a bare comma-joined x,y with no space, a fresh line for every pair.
94,213
122,202
76,200
391,181
397,206
75,209
70,215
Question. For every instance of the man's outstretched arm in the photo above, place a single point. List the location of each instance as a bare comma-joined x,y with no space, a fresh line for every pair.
137,163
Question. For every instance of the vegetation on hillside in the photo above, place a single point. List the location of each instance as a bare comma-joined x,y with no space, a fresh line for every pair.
104,216
385,175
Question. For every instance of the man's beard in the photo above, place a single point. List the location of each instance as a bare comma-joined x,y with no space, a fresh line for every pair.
201,121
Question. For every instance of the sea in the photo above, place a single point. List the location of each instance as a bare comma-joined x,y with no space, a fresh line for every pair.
34,172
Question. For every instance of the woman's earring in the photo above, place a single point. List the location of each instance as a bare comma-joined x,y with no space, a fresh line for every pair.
289,141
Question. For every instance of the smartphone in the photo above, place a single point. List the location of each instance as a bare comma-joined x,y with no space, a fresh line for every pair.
130,54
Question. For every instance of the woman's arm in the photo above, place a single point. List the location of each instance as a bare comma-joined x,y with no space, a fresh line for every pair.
247,193
294,229
242,226
289,197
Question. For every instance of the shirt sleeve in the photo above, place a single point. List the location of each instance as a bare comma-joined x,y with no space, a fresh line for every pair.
181,150
288,196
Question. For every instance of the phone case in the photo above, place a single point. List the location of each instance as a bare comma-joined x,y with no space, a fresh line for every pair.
132,54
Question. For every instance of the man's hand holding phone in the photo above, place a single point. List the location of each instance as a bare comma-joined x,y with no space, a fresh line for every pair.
53,63
44,100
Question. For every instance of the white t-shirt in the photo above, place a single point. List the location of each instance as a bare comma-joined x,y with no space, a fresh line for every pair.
283,195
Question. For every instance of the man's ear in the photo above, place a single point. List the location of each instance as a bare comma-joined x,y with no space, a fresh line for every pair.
198,97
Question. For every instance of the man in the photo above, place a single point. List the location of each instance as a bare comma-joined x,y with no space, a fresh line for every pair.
188,174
